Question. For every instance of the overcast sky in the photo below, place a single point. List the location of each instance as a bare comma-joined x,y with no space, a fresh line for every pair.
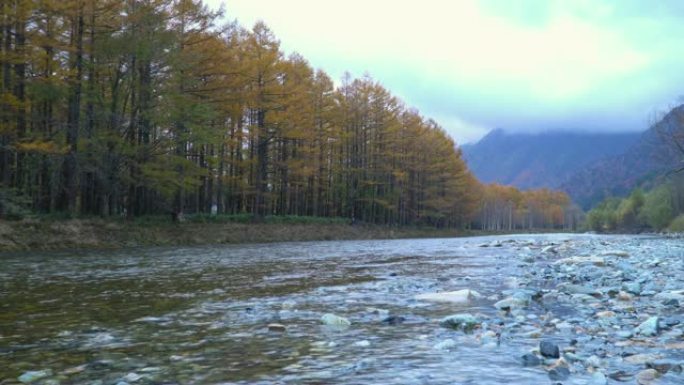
474,65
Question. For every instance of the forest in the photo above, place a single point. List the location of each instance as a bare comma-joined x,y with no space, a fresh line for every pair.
129,108
659,208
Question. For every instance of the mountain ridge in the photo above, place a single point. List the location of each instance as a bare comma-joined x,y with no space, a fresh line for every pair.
538,160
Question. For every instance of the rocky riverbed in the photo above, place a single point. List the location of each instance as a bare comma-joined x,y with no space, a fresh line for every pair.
525,309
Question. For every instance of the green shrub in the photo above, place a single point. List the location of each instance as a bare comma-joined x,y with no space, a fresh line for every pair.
677,224
657,211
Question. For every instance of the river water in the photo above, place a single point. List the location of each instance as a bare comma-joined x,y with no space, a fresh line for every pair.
199,315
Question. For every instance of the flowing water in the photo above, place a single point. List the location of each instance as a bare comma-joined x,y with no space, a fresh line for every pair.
200,314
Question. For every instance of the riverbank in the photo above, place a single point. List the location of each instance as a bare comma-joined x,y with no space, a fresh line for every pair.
41,234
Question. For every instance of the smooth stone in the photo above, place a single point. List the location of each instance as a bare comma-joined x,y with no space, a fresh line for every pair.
624,296
34,375
578,289
362,343
624,334
663,366
459,296
509,303
632,288
549,349
596,261
559,374
593,361
445,345
549,249
132,377
598,378
530,359
334,320
671,302
615,253
393,320
276,327
647,377
641,359
648,328
462,321
676,294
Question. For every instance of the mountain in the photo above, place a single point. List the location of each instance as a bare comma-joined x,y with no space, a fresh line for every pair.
540,160
644,163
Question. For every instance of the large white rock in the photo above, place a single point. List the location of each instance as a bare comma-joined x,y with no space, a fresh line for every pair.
458,297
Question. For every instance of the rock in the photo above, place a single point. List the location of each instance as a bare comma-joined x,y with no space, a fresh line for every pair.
489,338
393,320
648,328
275,327
632,288
641,359
34,375
132,377
596,261
459,296
549,249
512,302
578,289
593,362
463,321
559,373
334,320
615,253
664,366
647,377
362,343
288,304
549,349
621,376
624,296
530,359
75,369
624,334
671,302
605,314
445,345
676,294
598,378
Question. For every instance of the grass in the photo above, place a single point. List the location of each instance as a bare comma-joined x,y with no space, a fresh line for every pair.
56,233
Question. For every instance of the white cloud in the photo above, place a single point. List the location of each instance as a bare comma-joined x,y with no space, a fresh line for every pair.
549,56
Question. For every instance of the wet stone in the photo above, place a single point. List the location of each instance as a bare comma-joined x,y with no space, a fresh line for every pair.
549,349
559,373
530,359
393,320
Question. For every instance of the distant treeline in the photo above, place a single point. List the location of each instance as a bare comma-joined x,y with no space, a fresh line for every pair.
661,208
130,108
505,208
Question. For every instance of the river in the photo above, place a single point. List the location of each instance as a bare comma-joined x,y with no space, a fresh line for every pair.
199,315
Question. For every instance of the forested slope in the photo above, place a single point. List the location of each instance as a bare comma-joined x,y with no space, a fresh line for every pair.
540,160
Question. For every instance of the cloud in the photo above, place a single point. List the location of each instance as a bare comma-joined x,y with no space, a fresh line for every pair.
479,64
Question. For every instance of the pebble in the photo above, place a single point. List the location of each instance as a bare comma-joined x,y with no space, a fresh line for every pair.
334,320
559,374
462,321
647,377
34,375
275,327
